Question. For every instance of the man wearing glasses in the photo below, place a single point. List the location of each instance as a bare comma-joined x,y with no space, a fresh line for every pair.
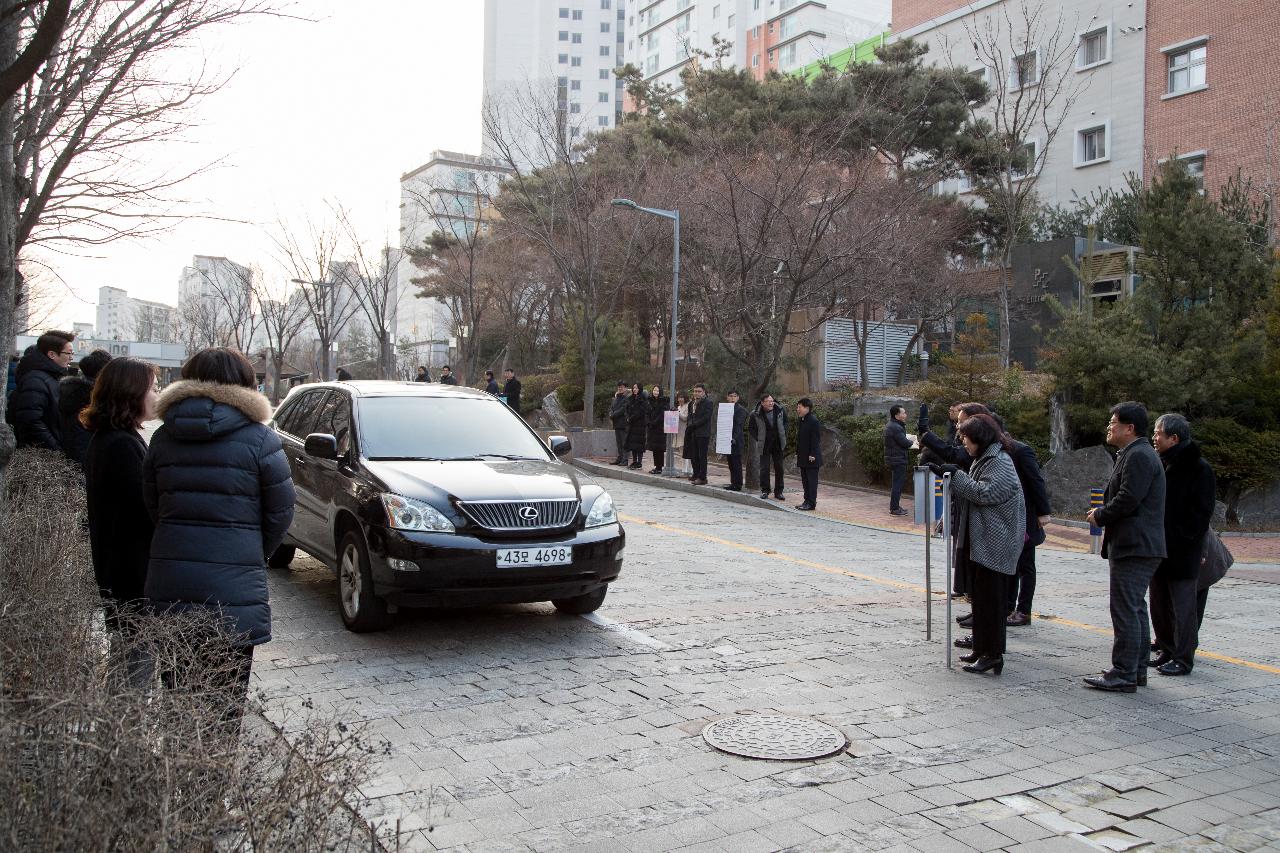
35,399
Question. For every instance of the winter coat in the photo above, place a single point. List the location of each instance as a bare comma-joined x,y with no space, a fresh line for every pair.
1132,511
448,379
896,443
511,390
36,419
759,429
492,388
618,411
1188,509
655,438
217,485
738,434
120,528
1035,497
637,422
678,441
73,396
992,514
698,425
809,442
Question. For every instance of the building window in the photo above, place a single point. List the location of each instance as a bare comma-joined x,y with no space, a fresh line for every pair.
575,108
771,56
651,67
715,11
788,55
562,58
603,121
564,13
562,82
682,4
1027,155
755,60
1109,290
1095,47
1024,70
577,38
576,62
783,5
682,25
1091,145
604,73
575,85
603,98
577,14
606,4
757,31
564,35
730,23
789,25
755,5
604,26
1186,69
605,50
1195,169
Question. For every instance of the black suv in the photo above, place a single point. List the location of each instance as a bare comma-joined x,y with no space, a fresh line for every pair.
423,494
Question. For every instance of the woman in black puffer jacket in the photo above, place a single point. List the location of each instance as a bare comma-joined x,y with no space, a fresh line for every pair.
637,424
218,486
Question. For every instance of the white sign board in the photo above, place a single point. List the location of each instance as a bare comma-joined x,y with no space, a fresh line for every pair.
724,428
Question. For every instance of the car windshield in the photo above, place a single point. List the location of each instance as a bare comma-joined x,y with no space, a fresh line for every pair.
444,428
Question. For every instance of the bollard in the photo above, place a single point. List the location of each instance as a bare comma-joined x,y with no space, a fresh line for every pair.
923,507
946,543
1095,501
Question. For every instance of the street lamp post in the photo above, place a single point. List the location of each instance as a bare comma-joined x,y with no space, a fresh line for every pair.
674,216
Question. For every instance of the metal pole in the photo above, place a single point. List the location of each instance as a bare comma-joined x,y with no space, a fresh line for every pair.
946,543
928,566
671,352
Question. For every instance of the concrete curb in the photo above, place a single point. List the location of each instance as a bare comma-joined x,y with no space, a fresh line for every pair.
618,472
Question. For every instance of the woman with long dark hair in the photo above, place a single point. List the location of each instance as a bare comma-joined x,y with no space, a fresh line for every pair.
637,424
990,531
218,486
120,528
655,438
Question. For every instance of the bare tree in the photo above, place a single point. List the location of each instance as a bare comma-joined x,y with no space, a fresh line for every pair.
371,273
1029,56
284,314
310,256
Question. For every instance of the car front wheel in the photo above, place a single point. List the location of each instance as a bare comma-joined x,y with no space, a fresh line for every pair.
362,611
581,604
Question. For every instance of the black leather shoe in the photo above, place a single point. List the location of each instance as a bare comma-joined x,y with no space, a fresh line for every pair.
764,496
1173,667
968,617
1161,659
733,488
898,512
805,507
964,643
1141,679
1111,684
995,664
1017,619
969,658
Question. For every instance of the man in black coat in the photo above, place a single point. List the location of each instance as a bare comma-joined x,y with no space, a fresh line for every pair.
447,377
697,432
36,419
1036,496
1132,521
74,393
808,451
511,389
618,417
1188,509
896,445
739,432
768,425
491,384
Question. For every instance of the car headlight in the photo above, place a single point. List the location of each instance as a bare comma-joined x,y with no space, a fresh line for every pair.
602,512
407,514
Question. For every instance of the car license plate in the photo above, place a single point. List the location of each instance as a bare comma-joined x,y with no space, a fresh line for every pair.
557,556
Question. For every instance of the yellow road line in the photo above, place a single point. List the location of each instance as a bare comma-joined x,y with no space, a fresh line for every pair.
835,570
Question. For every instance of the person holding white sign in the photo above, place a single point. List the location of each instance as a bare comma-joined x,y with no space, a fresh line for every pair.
737,440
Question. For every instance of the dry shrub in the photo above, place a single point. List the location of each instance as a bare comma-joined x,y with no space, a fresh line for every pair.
95,754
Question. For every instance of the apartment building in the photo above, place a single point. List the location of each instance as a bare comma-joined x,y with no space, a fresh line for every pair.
665,36
120,317
552,52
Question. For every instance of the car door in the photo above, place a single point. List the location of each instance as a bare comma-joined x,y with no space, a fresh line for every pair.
294,427
330,477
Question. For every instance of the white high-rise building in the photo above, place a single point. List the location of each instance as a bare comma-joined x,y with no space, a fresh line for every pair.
665,36
120,317
539,53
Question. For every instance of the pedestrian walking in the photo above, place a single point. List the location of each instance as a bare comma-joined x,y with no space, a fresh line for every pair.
491,384
808,451
1132,522
618,417
655,437
217,485
738,441
677,441
896,445
990,532
120,528
74,393
422,375
511,390
637,425
697,433
1190,487
36,419
768,426
447,377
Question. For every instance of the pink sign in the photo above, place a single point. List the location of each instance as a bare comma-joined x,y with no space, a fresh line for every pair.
670,422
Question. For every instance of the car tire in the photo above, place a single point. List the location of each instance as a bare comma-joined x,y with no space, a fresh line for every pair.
282,557
361,610
580,604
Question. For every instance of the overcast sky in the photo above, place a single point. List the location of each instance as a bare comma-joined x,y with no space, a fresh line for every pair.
334,110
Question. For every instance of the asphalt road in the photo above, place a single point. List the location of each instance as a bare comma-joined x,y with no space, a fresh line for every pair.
517,728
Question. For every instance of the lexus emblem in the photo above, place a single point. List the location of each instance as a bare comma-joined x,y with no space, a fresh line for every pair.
529,513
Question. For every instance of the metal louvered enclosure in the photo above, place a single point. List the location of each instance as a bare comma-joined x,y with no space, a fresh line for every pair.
885,345
521,516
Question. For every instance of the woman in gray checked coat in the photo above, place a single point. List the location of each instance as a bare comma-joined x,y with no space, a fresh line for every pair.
990,532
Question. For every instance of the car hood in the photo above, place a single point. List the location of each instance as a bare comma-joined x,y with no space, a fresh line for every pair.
524,479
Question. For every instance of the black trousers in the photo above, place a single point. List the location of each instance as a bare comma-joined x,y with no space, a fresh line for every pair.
1022,586
620,436
771,457
1202,599
1130,579
1175,617
637,457
658,458
990,593
809,479
899,475
735,467
698,456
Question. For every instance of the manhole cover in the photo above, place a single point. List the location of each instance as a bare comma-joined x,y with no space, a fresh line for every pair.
778,738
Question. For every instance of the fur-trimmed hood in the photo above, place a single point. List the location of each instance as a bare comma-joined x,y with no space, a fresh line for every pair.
202,410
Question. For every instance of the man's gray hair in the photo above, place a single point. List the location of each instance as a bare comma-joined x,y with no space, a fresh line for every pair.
1175,424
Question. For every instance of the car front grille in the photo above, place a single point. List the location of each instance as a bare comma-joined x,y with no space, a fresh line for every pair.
509,516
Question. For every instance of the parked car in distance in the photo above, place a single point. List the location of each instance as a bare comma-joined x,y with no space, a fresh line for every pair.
423,494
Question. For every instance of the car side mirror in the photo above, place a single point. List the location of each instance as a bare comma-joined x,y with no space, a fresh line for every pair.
560,445
321,445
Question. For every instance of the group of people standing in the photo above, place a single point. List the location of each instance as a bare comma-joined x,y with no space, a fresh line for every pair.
509,392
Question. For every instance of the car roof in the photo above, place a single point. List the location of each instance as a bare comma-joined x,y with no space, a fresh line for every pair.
387,388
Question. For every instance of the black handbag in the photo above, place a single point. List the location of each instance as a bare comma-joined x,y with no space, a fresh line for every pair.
1215,559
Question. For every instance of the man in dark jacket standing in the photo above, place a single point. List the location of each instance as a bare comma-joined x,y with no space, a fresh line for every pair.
73,396
768,425
618,417
1188,509
1132,520
697,432
36,419
740,416
491,384
896,445
447,377
511,389
808,451
1036,497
